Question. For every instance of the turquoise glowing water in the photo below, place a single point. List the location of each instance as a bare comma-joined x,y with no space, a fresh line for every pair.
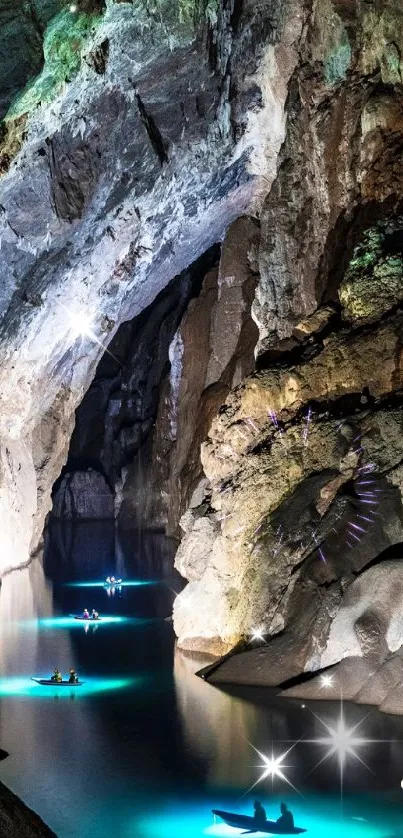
71,622
192,818
129,583
145,749
18,686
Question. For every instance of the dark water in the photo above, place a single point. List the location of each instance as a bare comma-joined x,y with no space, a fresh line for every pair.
145,749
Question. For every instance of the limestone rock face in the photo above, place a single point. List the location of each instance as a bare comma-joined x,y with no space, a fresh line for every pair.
365,641
303,460
212,351
143,425
83,494
123,178
339,163
297,489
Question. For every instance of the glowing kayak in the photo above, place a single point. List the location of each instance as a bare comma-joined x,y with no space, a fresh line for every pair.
113,584
248,823
87,619
47,682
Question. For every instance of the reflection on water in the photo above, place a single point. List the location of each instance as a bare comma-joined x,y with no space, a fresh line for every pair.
97,549
217,727
148,749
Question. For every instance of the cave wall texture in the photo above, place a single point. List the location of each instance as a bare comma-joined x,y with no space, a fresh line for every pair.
225,180
127,158
304,459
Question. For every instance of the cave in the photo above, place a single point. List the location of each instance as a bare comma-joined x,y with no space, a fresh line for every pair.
201,418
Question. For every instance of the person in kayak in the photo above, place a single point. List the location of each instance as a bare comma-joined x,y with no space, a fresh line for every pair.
113,580
259,813
73,677
286,820
94,615
108,580
57,676
86,614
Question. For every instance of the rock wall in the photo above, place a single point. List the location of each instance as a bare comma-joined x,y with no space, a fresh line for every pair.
297,462
287,522
212,350
128,164
17,820
140,426
119,410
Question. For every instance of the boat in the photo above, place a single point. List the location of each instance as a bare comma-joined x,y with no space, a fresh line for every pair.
86,619
47,682
114,584
248,823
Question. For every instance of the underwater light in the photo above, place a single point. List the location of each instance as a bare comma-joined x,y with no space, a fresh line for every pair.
130,583
71,622
327,680
25,687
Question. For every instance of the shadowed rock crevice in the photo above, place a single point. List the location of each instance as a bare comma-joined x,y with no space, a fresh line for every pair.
153,131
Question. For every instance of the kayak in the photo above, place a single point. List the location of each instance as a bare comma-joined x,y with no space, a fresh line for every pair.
87,619
248,823
47,682
113,584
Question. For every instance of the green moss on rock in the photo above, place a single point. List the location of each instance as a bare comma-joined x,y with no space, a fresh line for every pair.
337,63
64,39
374,280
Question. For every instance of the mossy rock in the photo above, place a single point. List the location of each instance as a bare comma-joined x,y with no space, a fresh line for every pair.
64,39
373,283
337,63
11,140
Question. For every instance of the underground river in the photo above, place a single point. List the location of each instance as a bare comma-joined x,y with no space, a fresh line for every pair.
146,749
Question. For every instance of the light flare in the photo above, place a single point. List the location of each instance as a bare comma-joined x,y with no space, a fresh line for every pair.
257,634
273,767
342,742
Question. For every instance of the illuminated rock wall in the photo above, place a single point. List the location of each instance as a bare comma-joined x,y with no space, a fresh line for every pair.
133,166
278,537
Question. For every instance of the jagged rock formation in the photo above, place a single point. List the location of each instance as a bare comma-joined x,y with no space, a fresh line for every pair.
118,412
137,151
297,454
166,373
284,528
212,350
21,45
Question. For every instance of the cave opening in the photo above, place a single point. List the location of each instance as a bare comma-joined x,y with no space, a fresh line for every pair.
115,425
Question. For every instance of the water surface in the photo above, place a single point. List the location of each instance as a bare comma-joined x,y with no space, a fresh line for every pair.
147,749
